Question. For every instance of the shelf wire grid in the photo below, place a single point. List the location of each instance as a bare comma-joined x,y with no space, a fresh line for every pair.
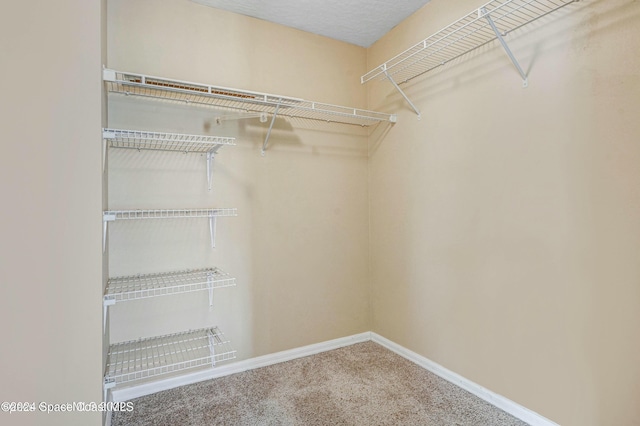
466,34
235,99
134,139
111,215
149,357
163,284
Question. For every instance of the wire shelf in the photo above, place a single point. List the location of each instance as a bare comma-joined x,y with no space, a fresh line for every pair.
150,357
466,34
112,215
163,284
211,214
235,99
135,139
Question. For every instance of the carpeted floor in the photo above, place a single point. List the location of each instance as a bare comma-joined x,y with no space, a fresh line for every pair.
362,384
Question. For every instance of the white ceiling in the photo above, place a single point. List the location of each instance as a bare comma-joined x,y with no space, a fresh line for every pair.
360,22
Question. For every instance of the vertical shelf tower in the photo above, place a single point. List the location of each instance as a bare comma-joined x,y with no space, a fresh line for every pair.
155,356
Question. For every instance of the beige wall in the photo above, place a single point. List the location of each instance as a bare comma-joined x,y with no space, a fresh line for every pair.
505,225
299,247
50,265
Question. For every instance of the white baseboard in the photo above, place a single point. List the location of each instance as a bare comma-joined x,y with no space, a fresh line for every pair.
499,401
136,391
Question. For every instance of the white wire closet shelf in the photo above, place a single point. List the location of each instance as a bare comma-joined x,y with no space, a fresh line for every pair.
136,139
144,286
493,20
211,214
134,287
176,90
237,99
112,215
156,356
175,142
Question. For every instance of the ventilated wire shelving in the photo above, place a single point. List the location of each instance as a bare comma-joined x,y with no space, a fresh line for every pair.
211,214
144,286
236,99
136,139
150,357
135,287
492,21
176,142
112,215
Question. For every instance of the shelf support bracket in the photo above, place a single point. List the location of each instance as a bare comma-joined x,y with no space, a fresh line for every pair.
212,349
210,287
211,155
406,98
273,120
108,384
106,218
105,135
105,309
104,154
482,12
210,158
104,235
212,230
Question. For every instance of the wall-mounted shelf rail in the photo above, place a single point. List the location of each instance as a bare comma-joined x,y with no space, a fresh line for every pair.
176,142
155,356
237,99
135,287
494,20
211,214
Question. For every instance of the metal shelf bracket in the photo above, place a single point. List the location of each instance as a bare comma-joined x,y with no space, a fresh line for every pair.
273,120
210,288
105,135
210,157
105,309
406,98
106,218
212,230
482,13
212,348
108,384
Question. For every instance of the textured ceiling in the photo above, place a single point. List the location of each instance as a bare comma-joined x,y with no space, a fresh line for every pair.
359,22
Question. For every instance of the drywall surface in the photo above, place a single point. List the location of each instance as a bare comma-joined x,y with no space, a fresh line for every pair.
299,246
505,225
50,173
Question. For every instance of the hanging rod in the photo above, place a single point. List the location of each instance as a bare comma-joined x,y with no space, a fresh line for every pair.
492,21
236,99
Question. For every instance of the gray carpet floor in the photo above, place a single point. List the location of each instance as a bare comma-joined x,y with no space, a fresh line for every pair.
362,384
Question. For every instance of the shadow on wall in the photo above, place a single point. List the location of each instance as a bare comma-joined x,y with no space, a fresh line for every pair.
378,135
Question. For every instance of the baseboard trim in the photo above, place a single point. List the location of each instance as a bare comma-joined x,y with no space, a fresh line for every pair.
499,401
136,391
